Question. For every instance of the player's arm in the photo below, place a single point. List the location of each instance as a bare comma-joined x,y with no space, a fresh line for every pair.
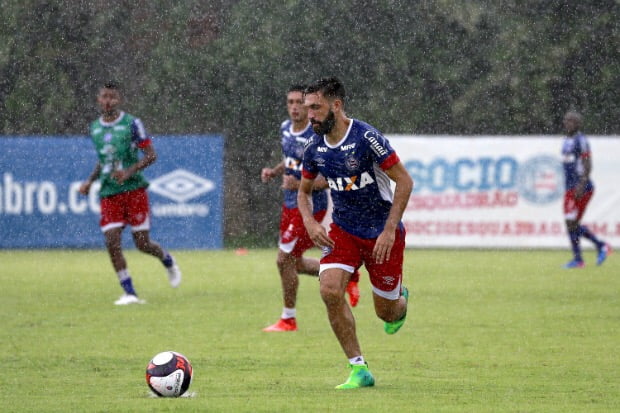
292,183
267,173
586,161
316,231
144,143
85,187
149,157
320,183
402,192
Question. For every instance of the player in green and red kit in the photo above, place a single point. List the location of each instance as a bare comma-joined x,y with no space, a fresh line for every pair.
118,137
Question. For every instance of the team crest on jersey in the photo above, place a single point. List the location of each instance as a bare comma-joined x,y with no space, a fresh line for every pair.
352,163
352,183
107,138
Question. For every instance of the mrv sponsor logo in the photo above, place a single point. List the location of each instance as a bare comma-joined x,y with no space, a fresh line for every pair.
181,186
485,182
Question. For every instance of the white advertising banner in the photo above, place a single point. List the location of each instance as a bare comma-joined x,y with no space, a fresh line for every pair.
502,191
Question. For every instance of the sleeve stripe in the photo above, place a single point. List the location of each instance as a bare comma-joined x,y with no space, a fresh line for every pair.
144,143
390,161
140,129
308,175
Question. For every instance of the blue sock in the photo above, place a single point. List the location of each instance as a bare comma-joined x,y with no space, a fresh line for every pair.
128,286
167,261
585,232
574,242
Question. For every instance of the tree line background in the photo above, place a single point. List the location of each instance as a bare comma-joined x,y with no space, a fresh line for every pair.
223,66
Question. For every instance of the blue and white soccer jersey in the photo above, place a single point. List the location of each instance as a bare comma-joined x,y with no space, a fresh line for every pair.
294,238
354,169
574,150
362,197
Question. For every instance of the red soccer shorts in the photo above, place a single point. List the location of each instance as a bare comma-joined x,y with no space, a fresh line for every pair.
350,252
575,208
127,208
294,238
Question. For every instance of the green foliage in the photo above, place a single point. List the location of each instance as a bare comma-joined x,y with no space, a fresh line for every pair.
487,331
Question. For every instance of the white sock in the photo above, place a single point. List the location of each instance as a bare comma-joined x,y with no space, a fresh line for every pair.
288,313
357,360
123,274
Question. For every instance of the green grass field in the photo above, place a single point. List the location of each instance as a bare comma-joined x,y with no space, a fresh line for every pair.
488,331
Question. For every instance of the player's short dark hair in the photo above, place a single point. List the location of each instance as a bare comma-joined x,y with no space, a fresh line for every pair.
110,84
330,87
296,88
573,114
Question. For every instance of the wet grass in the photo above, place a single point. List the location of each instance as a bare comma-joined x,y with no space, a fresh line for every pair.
488,331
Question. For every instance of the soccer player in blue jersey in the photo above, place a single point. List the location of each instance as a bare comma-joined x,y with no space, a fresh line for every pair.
359,164
577,161
294,240
118,137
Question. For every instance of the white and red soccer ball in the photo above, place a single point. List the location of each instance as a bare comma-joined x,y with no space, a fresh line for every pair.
169,374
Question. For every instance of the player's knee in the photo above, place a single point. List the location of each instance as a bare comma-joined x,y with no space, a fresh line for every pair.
331,293
284,260
307,265
143,245
571,224
113,245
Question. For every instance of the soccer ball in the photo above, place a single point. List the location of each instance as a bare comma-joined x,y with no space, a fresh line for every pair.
169,374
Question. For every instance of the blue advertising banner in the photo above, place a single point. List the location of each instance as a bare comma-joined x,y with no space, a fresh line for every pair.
40,206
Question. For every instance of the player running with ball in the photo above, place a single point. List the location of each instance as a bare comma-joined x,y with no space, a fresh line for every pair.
358,163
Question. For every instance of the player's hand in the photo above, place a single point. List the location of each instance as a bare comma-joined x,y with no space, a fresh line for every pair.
319,183
85,188
579,191
383,246
120,176
290,182
319,236
266,174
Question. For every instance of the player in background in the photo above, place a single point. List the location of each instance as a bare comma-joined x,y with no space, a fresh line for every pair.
577,160
117,137
358,163
294,240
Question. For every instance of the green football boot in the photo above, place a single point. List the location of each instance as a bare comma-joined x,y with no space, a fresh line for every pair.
360,377
391,327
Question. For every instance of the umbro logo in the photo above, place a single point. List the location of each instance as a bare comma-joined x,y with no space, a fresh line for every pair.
181,185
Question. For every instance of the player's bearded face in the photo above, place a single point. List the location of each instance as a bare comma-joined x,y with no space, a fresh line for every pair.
323,128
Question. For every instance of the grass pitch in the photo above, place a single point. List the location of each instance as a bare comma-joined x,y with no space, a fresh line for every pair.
487,331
